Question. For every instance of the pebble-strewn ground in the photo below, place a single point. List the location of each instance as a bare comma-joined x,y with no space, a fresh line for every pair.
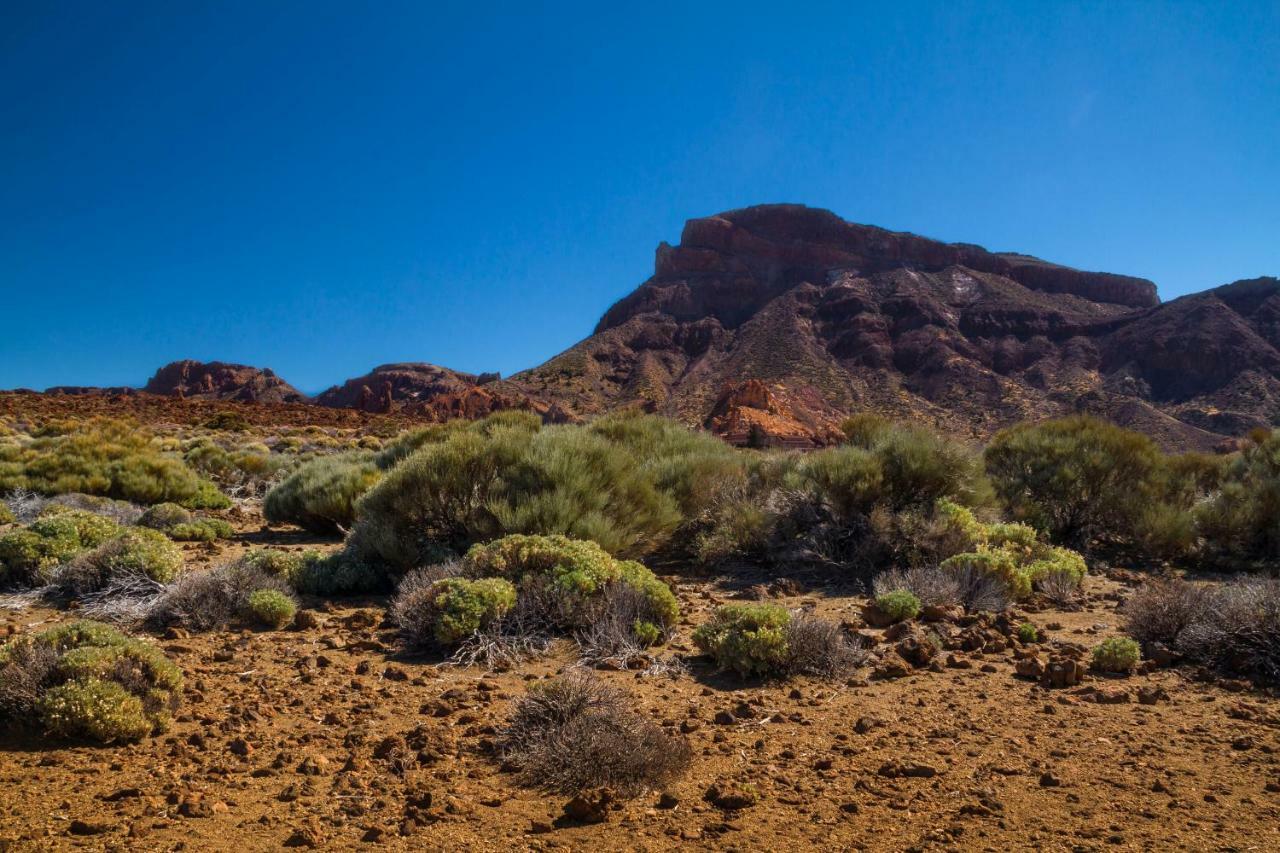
324,737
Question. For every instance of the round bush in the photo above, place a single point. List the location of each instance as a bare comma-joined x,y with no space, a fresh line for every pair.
201,530
750,639
88,681
272,608
999,565
445,611
898,605
321,494
1028,633
165,517
140,550
1116,654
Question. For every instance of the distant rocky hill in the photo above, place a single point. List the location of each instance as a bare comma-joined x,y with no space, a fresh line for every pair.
216,380
769,325
776,321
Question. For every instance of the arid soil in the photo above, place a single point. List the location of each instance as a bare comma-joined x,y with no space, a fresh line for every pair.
325,737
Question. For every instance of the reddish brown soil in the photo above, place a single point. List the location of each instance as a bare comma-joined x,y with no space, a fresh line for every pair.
276,744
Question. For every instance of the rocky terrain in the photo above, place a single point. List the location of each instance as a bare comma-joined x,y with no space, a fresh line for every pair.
324,737
772,323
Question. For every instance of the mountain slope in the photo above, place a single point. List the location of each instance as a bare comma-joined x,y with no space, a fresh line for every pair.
829,317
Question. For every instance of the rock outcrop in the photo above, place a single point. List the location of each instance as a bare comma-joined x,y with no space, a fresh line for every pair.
829,317
218,380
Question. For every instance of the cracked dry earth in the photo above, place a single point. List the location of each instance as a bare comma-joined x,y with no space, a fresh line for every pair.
323,737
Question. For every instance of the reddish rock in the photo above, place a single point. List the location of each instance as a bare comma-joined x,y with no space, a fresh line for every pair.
216,380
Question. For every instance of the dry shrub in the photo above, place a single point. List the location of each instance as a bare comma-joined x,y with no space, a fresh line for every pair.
1060,586
980,590
207,601
576,733
821,648
624,626
1159,610
934,587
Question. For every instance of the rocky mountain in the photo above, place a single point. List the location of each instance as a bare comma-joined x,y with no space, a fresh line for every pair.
433,392
216,380
771,323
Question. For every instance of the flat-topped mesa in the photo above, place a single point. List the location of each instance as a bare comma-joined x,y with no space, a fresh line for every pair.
729,265
218,380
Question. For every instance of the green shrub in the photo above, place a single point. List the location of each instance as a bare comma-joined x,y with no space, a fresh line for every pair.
321,494
272,608
6,515
647,633
1056,561
165,517
898,605
202,530
278,563
341,573
574,572
750,639
28,556
135,551
1116,654
1076,478
445,611
1241,523
87,681
1028,633
104,457
998,565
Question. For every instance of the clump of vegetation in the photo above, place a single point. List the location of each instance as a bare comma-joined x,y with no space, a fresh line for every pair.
573,573
165,516
212,600
103,457
202,530
576,733
272,608
28,556
136,551
898,605
440,612
87,681
341,573
6,515
1233,627
1117,655
1241,522
750,639
321,495
1028,633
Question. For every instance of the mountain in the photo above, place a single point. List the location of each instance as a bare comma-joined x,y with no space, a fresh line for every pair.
434,392
771,323
216,380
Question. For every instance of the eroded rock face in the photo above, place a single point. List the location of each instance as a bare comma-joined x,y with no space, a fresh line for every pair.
829,318
218,380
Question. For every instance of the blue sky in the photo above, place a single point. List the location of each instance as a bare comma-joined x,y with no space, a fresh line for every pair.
321,187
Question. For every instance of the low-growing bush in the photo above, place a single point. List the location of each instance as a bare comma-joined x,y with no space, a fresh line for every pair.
576,733
202,530
135,551
820,647
272,608
1241,523
342,573
1000,566
932,586
440,612
321,495
104,457
165,516
750,639
1028,633
87,681
1160,610
214,599
575,572
6,515
28,556
898,605
1117,655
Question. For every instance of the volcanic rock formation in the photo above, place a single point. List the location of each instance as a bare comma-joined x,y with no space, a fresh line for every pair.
217,380
829,317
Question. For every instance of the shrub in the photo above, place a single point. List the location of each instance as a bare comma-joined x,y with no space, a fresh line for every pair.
929,584
820,647
202,530
211,600
1160,610
87,681
1116,654
135,551
1241,524
6,515
750,639
165,516
28,556
1076,478
321,495
1028,633
272,608
575,733
433,611
898,605
999,566
105,457
574,573
1061,563
341,573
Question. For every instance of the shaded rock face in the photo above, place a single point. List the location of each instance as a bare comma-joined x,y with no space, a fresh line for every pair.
829,317
217,380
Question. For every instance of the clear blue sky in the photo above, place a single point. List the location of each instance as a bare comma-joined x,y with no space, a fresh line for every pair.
321,187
